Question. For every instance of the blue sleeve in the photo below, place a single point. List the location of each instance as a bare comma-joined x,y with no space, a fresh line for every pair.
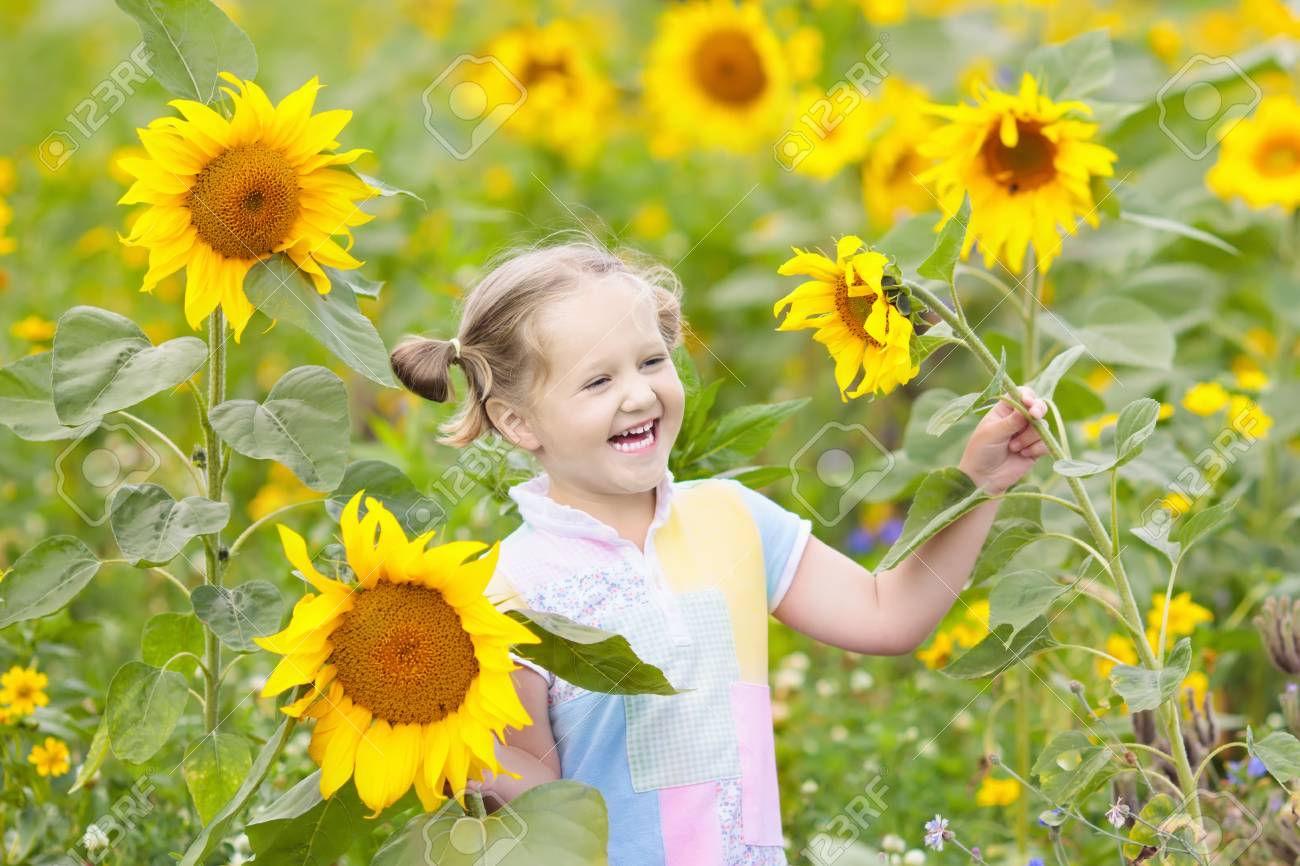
784,535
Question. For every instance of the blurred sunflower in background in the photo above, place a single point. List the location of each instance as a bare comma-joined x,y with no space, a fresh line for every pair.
716,77
569,102
225,194
890,190
412,662
1259,158
833,136
1028,166
847,301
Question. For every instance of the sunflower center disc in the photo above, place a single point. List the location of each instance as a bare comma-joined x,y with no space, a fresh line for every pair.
1280,157
729,69
1028,165
245,202
853,311
402,653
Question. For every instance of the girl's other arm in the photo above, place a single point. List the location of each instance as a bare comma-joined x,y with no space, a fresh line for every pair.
834,600
529,752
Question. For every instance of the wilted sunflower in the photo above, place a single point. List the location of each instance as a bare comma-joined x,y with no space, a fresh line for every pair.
410,667
1259,158
224,194
847,302
716,77
1027,165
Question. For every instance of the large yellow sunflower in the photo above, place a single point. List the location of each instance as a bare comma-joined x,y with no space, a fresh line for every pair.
1259,158
846,302
410,666
1028,166
716,77
224,194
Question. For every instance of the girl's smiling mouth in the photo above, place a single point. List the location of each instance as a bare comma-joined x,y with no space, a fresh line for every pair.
639,439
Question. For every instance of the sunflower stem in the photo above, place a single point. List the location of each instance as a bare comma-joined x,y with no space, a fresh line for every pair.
1030,310
1167,711
212,541
474,799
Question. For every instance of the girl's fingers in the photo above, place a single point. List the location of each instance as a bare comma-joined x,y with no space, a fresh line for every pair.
1026,439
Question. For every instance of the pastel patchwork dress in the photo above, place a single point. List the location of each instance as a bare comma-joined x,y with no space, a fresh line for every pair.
689,780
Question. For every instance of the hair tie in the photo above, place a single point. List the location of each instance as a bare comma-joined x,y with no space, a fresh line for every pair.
455,341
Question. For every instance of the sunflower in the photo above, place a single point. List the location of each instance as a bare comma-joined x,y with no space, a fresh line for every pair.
889,186
716,77
569,102
225,194
1028,166
848,303
1259,158
22,690
832,139
410,667
51,758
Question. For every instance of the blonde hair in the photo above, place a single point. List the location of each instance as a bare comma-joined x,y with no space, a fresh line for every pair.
500,352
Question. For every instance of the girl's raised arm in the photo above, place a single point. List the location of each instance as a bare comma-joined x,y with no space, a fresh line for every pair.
529,752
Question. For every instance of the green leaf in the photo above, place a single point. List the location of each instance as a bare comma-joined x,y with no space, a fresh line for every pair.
1136,423
1071,767
190,42
756,477
144,704
1203,523
1146,832
384,189
214,768
1081,468
944,496
1103,197
934,337
1001,649
959,408
237,614
165,635
279,290
303,829
303,423
45,579
1020,521
1145,689
1044,384
96,752
1165,224
215,830
1280,754
388,484
354,280
686,370
588,657
1022,596
103,362
695,418
27,404
1074,69
563,823
151,527
947,248
1118,330
744,431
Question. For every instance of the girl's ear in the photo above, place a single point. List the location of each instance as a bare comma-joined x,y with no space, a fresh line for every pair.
513,426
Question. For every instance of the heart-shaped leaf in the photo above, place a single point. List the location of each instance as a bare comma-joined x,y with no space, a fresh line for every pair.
237,614
301,827
416,512
27,404
214,768
103,362
144,704
1280,754
168,634
45,579
1145,689
1022,596
151,527
1000,649
303,424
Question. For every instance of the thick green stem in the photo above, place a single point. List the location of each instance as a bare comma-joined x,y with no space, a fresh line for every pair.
212,542
1030,315
1023,760
1168,712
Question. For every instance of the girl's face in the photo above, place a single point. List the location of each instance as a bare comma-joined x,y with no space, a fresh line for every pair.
609,372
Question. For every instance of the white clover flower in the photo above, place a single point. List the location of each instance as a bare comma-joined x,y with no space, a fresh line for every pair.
915,857
839,734
94,839
827,688
808,787
860,681
893,843
796,661
787,680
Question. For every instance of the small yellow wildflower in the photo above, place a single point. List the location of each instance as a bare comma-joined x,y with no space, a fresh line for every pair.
939,652
1247,418
51,759
997,792
1248,375
1261,342
1121,648
33,328
1099,379
1184,614
1205,398
22,690
1092,429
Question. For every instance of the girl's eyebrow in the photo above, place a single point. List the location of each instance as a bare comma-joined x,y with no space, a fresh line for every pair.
598,364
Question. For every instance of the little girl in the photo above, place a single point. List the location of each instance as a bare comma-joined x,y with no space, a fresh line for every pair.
565,350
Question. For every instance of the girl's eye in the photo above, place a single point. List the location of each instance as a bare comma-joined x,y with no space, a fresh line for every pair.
655,361
599,381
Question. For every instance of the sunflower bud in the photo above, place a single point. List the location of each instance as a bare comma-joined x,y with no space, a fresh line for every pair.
1278,622
199,457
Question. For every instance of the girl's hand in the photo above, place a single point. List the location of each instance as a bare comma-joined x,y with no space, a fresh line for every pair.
1004,445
